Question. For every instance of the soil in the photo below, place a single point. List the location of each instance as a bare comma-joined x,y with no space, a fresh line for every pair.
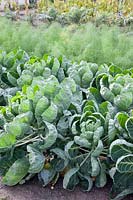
34,191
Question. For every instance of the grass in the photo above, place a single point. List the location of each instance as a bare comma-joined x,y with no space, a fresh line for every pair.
84,42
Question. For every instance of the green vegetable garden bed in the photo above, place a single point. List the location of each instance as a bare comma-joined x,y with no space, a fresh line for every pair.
64,119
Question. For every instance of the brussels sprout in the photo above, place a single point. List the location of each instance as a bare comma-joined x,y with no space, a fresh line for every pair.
120,80
25,79
38,69
93,67
17,128
41,106
50,114
24,117
86,79
51,87
115,88
123,101
25,106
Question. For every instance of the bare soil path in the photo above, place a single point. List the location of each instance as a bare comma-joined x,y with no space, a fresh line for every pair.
34,191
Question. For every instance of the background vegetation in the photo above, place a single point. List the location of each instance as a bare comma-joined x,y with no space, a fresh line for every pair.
85,42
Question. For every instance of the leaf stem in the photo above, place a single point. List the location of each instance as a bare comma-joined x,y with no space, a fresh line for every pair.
25,138
37,138
80,155
85,159
84,149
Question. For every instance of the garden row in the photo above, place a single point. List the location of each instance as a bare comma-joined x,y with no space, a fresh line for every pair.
82,15
65,119
75,15
95,6
68,12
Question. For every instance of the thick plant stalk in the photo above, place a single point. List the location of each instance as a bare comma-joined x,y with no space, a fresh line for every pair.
26,7
17,8
46,4
8,4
